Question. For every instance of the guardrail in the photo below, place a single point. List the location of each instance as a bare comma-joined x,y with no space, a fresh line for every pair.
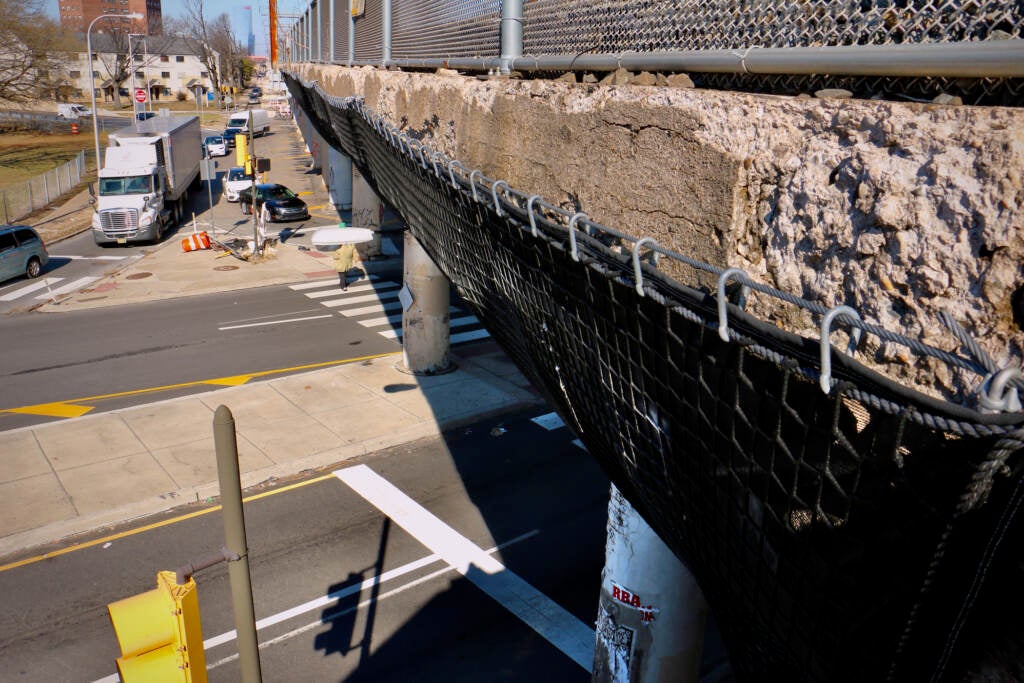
18,201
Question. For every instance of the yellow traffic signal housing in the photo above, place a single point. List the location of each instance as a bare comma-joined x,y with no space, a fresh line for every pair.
241,149
159,634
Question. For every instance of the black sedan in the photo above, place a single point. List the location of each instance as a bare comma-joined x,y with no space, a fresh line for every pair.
282,204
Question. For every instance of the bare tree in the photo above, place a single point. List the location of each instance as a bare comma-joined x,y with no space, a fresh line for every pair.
211,41
116,59
30,49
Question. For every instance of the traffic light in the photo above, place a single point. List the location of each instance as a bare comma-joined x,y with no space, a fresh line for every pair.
159,634
241,149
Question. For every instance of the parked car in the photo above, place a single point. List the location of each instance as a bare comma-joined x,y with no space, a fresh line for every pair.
282,204
22,252
214,146
235,183
143,115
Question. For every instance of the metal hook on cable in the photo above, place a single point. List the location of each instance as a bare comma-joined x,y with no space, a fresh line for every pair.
529,213
494,195
637,273
572,234
723,311
451,173
995,396
473,183
825,381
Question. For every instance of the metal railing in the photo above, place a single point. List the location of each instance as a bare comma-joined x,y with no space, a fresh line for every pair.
21,199
968,47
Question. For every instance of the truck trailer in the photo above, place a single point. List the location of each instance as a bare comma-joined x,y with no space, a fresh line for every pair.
143,185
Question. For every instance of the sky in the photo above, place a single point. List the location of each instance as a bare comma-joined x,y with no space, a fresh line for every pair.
233,8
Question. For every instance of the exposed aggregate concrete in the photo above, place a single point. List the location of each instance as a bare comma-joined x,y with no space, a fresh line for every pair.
901,210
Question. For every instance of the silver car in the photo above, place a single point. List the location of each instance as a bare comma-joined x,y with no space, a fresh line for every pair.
22,252
235,183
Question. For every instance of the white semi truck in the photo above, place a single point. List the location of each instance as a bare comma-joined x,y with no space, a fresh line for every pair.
143,185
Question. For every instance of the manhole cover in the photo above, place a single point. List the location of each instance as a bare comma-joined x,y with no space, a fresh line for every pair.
226,268
137,276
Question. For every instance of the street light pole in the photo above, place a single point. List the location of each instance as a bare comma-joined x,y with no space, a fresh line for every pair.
92,77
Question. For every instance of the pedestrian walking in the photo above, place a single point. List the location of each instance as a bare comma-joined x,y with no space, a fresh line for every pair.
345,258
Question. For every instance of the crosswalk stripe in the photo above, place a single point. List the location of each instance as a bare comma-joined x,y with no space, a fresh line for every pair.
333,291
314,284
73,286
23,291
472,335
382,296
352,312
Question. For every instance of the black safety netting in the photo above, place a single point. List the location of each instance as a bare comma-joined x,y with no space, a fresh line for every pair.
872,533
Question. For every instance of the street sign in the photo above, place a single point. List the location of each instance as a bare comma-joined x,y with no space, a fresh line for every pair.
140,95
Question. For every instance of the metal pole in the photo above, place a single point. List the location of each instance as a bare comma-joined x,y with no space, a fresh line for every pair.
330,20
385,57
351,35
31,200
511,32
3,197
226,447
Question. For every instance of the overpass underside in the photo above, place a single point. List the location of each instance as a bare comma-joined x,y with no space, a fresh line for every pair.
867,533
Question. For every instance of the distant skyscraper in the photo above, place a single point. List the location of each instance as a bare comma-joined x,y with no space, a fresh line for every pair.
76,15
251,42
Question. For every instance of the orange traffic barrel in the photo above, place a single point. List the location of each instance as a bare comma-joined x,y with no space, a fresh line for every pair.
74,129
195,242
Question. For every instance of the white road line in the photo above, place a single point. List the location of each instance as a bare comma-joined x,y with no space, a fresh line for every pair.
276,322
468,336
369,286
333,599
377,322
35,286
549,421
464,320
72,286
350,312
92,258
559,627
313,284
383,296
397,333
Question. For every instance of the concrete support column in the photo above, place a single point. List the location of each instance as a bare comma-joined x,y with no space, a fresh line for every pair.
367,211
385,40
338,178
652,614
425,331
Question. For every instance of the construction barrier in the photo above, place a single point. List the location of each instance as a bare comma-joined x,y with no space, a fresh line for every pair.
74,129
195,242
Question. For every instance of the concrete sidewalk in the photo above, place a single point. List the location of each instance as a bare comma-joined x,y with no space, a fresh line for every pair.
82,474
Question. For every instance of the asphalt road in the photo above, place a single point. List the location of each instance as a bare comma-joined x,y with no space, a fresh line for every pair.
175,343
312,546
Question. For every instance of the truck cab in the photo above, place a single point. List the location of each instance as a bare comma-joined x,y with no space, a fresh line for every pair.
130,198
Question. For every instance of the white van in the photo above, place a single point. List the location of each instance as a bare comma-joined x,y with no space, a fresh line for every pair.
238,124
72,111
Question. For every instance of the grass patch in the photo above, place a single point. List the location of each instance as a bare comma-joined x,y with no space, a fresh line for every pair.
25,154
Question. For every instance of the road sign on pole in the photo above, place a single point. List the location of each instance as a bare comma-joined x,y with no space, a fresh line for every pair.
140,95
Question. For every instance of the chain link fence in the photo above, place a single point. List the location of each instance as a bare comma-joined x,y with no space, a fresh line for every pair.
431,34
20,200
864,534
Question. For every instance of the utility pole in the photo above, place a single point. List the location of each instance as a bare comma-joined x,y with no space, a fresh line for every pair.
257,249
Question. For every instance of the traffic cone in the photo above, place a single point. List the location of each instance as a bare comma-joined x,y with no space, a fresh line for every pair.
195,242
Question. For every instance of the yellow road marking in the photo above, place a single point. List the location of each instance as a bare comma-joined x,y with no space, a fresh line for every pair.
66,409
304,193
157,525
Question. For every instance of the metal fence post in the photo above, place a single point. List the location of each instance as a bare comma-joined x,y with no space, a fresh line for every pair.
46,191
31,200
511,32
385,57
56,175
3,197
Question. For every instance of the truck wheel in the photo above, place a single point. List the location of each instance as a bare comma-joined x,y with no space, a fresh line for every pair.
34,268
